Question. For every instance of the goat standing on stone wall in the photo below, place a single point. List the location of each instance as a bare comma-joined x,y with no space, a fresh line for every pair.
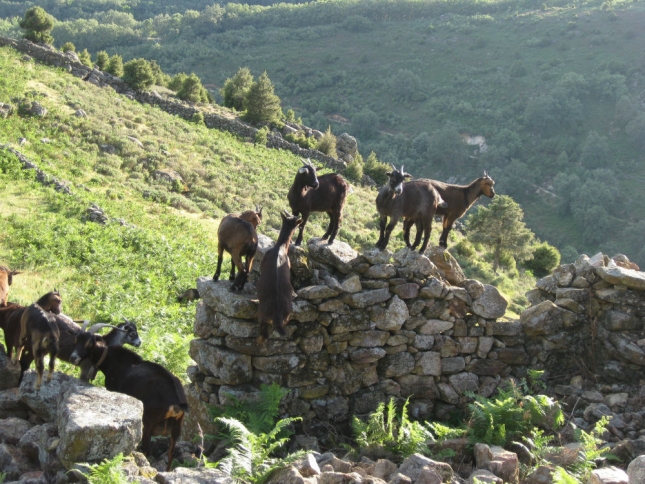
310,193
416,200
237,235
459,198
275,291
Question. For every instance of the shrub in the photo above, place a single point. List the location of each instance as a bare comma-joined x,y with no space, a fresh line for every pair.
354,170
545,259
261,103
177,81
68,47
301,139
261,136
85,58
236,88
108,472
327,144
192,90
115,66
37,25
198,118
138,74
376,169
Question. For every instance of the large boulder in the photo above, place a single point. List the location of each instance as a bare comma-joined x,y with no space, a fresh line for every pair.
95,424
446,264
229,367
619,275
608,475
346,144
12,429
545,318
636,470
217,295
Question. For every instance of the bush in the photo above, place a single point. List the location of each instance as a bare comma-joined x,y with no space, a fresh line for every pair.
261,103
236,88
261,136
85,58
177,81
327,144
301,139
138,74
37,25
68,47
102,60
192,90
198,118
545,259
354,170
115,66
376,169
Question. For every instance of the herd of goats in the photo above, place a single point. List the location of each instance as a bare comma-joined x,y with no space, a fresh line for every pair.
41,329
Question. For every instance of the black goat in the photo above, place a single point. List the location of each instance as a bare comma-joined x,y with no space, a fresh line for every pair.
237,235
38,327
164,400
310,193
459,199
189,295
274,286
416,200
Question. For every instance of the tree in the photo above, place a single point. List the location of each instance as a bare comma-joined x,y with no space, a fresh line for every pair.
177,81
261,103
500,226
192,90
595,151
236,87
365,123
354,170
376,169
447,149
138,74
85,58
102,60
327,144
37,25
115,66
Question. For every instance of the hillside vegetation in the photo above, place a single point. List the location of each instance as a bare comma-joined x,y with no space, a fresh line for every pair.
555,88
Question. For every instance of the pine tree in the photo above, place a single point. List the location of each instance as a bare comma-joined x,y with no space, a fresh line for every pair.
102,60
500,227
68,47
85,58
192,90
115,66
261,103
236,87
37,25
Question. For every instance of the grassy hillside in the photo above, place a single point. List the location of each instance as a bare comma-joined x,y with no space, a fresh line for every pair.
158,239
555,88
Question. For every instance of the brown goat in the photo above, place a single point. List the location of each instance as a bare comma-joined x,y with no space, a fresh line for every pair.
163,398
188,296
38,325
237,235
310,193
416,200
6,278
459,198
274,286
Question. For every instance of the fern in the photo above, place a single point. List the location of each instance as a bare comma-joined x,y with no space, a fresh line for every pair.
401,436
257,415
108,472
561,476
251,457
590,449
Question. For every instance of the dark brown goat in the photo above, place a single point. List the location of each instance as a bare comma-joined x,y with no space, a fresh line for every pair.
416,200
6,278
310,193
163,398
38,326
188,296
274,286
237,235
459,199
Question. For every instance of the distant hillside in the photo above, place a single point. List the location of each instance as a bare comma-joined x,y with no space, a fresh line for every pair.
555,89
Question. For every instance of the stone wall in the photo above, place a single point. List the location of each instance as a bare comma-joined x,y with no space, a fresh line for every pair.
69,61
369,326
587,319
365,327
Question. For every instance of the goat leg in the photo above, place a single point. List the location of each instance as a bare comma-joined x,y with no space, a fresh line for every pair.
336,225
52,365
220,256
305,217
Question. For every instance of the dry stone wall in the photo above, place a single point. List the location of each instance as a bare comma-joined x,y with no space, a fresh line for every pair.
365,327
70,62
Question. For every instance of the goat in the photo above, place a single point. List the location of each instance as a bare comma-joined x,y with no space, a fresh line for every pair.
164,400
188,295
274,286
459,198
6,278
416,200
124,333
310,193
38,326
237,235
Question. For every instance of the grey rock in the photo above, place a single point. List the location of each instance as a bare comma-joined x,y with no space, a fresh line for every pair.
338,255
608,475
317,292
229,367
346,143
367,298
394,317
545,318
446,264
9,373
484,476
45,401
626,277
463,382
636,470
11,405
218,296
12,429
95,424
490,304
396,365
185,475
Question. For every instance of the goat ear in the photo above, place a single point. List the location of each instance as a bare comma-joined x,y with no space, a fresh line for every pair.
389,173
302,170
407,175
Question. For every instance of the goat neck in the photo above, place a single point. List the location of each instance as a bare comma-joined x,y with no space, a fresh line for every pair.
473,192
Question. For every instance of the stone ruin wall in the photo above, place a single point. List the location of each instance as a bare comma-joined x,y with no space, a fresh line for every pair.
366,327
69,61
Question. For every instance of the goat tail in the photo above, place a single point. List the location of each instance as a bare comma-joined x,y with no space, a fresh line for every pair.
279,326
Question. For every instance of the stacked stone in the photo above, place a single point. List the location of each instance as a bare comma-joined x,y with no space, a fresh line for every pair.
370,327
588,316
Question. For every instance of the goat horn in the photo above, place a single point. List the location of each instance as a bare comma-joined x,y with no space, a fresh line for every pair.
393,167
304,162
86,323
98,326
402,170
